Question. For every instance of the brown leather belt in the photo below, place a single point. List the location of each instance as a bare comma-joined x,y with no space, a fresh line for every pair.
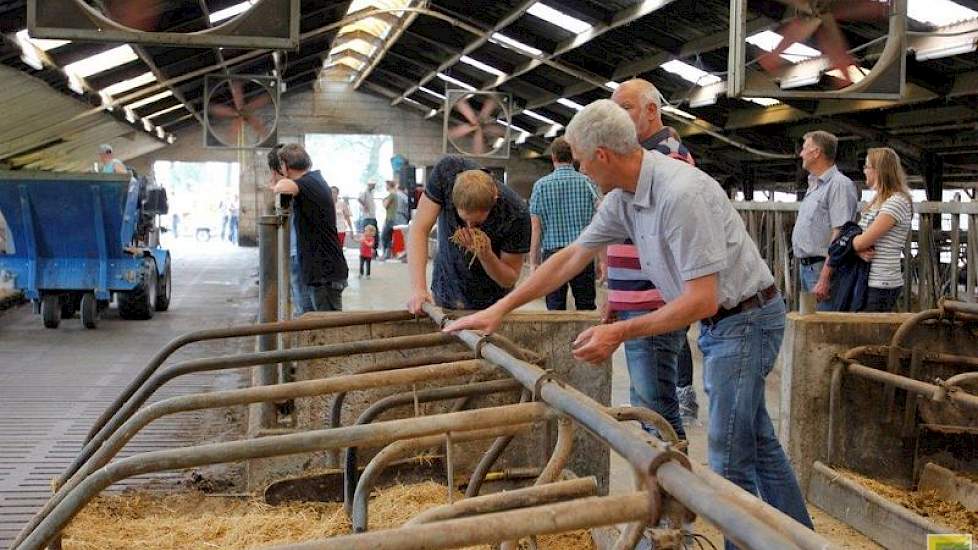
754,302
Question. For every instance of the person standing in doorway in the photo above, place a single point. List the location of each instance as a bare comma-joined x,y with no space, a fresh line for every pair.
367,250
234,213
344,222
561,206
368,209
830,202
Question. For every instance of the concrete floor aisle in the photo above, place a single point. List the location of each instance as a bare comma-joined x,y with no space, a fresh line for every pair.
55,383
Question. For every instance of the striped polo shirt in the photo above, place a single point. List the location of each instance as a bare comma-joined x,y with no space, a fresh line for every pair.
629,289
885,270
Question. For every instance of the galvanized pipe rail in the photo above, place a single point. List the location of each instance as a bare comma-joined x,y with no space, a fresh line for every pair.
659,465
258,394
379,433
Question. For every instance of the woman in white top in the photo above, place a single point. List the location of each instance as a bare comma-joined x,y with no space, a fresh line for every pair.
343,219
885,222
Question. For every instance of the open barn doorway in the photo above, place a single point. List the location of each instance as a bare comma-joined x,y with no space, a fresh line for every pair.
204,202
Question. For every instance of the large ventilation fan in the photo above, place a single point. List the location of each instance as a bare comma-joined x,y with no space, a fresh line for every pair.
477,123
241,112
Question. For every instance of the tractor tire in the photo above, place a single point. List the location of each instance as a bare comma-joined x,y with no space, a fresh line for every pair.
89,310
51,310
164,288
140,302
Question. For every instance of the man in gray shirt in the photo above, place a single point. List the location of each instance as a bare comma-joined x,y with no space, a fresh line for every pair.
829,203
693,245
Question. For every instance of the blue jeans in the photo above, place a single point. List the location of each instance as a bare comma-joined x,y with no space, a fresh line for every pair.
738,353
809,275
652,364
301,298
328,297
881,300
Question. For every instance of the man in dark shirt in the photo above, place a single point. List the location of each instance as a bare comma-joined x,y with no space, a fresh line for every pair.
460,195
322,267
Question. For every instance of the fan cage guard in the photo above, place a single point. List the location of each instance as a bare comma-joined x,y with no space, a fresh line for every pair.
212,83
504,103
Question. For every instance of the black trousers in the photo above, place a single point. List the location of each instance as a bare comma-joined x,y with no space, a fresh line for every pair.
582,286
364,262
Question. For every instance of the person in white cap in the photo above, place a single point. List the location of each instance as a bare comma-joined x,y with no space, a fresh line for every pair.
107,164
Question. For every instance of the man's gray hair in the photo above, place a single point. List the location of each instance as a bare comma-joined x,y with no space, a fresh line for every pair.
602,124
649,93
826,142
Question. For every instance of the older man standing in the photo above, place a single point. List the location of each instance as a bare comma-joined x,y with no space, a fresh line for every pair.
660,368
707,269
829,203
561,205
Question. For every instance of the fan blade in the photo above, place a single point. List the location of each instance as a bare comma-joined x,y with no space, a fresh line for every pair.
487,108
222,110
833,44
797,30
803,6
461,130
234,130
860,10
237,94
259,128
493,131
463,107
478,142
258,102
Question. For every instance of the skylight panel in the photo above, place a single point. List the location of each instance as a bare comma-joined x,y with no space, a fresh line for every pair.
126,85
571,104
456,82
768,40
102,61
432,92
513,126
938,12
358,45
42,44
689,72
611,85
541,118
500,38
164,111
147,100
481,66
765,101
558,18
228,13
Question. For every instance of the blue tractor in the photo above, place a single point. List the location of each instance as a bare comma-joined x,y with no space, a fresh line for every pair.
76,240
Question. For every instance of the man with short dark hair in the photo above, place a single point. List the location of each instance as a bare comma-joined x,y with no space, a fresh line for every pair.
830,202
322,269
561,206
460,197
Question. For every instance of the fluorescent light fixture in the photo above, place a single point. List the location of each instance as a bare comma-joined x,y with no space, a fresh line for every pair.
481,66
148,126
100,62
801,80
164,111
126,85
558,18
768,40
228,13
541,118
678,112
689,72
147,100
947,51
765,101
571,104
160,133
611,85
502,39
432,92
456,82
938,12
42,44
171,139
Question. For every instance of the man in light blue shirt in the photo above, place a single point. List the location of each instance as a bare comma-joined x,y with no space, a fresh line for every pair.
830,202
693,245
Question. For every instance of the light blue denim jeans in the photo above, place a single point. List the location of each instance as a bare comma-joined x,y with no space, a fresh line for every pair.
738,353
652,363
301,297
809,275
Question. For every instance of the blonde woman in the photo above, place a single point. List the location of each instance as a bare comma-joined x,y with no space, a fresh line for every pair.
885,222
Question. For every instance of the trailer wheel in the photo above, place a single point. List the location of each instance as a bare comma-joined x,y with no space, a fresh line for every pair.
51,310
140,302
164,289
89,310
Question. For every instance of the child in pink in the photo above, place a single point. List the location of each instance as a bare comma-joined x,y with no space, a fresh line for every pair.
367,248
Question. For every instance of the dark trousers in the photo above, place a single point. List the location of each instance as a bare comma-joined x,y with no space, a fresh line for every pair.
364,263
684,368
881,300
582,286
387,237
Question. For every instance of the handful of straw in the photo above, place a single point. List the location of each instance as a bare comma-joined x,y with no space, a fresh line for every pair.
478,241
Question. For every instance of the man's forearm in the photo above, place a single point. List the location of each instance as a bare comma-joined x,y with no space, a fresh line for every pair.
498,270
418,259
558,269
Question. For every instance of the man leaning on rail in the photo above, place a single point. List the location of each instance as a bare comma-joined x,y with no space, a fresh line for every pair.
696,249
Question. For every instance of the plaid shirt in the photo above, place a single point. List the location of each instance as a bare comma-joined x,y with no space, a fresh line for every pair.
564,201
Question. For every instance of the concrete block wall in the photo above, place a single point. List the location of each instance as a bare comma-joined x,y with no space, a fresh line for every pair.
333,108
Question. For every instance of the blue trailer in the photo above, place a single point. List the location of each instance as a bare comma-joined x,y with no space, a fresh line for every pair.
76,240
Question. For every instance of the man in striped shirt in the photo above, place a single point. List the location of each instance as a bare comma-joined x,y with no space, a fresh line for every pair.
561,205
653,361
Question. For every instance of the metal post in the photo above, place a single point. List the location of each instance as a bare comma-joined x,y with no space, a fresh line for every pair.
263,415
283,214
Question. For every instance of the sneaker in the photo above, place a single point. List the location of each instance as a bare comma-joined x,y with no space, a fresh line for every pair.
688,407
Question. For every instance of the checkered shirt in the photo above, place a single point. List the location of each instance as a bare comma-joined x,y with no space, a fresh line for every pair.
564,200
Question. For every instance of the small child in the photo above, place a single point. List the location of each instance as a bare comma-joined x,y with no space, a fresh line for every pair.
367,248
